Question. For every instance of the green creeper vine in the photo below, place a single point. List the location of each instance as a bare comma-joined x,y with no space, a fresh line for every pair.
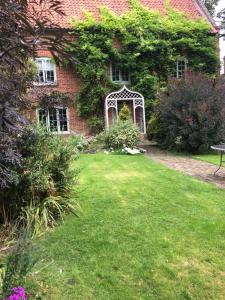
149,45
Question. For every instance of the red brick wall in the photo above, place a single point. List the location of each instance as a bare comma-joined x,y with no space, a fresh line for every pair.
67,82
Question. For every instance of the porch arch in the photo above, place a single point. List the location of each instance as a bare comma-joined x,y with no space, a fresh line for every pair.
138,104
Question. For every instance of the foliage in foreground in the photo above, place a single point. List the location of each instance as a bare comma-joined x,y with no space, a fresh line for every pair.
191,114
19,263
211,6
41,194
17,72
142,42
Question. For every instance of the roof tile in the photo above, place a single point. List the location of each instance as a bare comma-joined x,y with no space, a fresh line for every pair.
76,8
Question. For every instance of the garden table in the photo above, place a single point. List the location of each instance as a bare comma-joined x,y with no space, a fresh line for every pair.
221,149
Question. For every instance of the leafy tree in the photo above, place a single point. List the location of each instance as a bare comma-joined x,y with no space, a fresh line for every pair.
23,23
221,15
211,5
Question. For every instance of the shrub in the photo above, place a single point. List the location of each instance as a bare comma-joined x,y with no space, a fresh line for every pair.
42,192
191,114
96,143
153,126
95,124
125,114
78,141
122,134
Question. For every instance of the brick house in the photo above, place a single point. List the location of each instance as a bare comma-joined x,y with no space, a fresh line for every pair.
65,119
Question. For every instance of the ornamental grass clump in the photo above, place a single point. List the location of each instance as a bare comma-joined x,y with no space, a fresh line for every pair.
42,193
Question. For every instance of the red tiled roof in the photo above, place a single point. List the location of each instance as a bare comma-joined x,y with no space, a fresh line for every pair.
76,8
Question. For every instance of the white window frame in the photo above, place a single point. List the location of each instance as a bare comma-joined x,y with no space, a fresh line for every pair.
58,121
121,81
43,63
178,61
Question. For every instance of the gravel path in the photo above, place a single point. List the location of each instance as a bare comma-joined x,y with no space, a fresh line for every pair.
196,168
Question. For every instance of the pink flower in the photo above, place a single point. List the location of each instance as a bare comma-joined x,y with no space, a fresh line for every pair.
18,293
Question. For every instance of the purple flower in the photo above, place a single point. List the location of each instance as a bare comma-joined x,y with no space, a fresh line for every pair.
18,293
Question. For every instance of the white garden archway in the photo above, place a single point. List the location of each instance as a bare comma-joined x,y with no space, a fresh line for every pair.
123,95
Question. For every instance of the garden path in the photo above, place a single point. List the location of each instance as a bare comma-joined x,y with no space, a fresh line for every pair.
193,167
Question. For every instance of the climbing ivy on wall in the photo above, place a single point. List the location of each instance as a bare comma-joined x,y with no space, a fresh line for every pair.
144,42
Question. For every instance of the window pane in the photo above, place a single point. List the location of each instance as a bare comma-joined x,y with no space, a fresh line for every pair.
40,68
49,65
41,76
124,75
49,71
115,73
53,119
50,76
181,68
42,117
46,70
63,123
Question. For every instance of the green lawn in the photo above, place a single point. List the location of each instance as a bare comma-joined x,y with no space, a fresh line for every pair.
213,158
145,232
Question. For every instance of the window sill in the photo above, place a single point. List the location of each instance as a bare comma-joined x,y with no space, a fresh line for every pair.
61,132
121,82
46,84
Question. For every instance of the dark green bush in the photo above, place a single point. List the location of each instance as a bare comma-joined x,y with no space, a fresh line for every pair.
122,134
95,124
153,126
191,114
42,192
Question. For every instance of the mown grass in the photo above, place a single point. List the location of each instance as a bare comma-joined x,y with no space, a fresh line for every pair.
213,158
145,232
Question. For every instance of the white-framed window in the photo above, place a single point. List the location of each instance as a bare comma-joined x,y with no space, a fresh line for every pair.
118,74
181,67
56,119
47,71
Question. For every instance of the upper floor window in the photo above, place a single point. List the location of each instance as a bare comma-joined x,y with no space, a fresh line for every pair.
119,75
47,71
55,119
181,67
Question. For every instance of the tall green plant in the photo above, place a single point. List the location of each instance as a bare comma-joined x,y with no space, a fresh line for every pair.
125,114
42,193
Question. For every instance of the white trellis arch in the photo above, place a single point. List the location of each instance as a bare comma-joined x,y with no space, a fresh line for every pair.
125,94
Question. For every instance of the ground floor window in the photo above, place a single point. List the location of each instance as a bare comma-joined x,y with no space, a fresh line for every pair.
55,119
